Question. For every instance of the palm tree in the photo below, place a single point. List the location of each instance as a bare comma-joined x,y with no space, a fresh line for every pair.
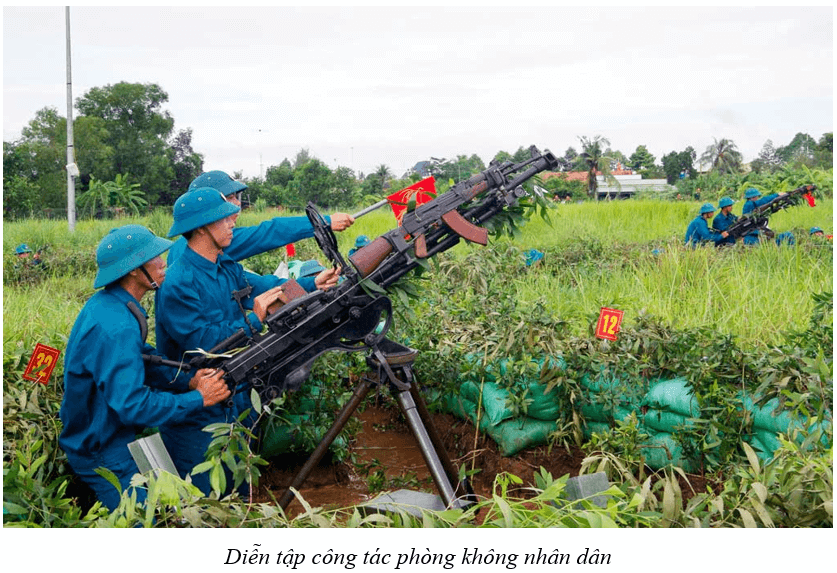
723,156
595,159
384,173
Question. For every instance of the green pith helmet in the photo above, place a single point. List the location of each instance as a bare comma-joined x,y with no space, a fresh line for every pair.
22,248
751,193
125,249
816,230
199,207
725,202
218,180
707,208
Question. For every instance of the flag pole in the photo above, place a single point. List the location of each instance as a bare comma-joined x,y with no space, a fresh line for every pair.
72,169
371,208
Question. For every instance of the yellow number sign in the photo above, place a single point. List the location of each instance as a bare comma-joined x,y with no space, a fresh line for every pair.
41,363
609,321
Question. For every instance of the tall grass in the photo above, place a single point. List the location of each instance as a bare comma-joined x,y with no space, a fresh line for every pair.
598,254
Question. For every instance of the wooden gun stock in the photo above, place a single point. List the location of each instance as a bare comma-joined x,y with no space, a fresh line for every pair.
292,290
366,259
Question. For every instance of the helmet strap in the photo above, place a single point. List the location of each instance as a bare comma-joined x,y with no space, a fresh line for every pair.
154,284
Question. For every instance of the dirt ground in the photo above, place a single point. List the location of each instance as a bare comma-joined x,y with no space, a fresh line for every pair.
385,437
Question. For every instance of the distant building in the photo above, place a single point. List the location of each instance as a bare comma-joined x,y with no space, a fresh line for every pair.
629,182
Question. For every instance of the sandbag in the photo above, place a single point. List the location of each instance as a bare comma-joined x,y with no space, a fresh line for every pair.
544,406
596,411
589,428
514,435
769,439
494,400
661,450
674,396
670,422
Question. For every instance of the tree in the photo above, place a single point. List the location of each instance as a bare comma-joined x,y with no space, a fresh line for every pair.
566,162
799,150
375,183
675,164
137,130
595,160
767,160
315,183
186,164
824,153
303,156
723,156
641,159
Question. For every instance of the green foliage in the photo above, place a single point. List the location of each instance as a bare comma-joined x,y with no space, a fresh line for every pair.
723,156
118,196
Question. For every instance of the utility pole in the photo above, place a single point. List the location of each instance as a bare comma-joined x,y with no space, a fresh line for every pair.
72,168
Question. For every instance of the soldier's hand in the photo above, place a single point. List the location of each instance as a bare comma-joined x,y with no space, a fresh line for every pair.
267,298
328,278
341,221
210,383
724,234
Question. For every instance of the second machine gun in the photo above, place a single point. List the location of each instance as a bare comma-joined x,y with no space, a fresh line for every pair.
356,314
756,220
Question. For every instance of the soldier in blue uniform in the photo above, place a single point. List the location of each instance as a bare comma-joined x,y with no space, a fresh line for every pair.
266,236
698,230
751,203
109,393
196,308
724,219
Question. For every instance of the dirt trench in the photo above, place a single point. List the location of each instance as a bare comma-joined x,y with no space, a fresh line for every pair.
386,445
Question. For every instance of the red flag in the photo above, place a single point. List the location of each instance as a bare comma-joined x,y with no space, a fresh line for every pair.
423,191
290,249
810,199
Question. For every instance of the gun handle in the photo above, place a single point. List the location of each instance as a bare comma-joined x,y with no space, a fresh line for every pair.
292,290
366,259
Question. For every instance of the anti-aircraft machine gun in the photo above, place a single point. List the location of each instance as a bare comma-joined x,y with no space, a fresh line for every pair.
356,314
757,219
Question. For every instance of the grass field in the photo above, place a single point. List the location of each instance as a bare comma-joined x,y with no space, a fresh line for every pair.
623,254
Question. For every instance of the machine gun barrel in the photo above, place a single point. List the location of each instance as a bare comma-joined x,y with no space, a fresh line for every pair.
350,317
757,218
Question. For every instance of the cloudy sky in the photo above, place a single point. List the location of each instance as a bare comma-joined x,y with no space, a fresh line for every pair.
361,87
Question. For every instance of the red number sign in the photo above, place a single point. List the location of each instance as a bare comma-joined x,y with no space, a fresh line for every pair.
41,364
609,321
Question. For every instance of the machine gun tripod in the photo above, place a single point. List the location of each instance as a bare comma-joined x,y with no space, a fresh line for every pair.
392,365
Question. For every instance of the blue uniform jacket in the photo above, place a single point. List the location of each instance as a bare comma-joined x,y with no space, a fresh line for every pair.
698,232
749,207
722,222
266,236
195,309
107,398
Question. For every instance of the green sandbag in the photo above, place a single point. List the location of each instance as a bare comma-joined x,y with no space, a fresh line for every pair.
770,440
543,406
601,383
622,413
670,422
514,435
278,436
768,416
460,406
596,412
470,391
673,395
662,450
591,428
494,399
